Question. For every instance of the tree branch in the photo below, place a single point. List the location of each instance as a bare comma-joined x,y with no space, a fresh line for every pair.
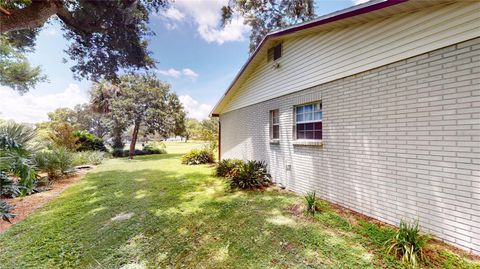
37,13
34,15
71,21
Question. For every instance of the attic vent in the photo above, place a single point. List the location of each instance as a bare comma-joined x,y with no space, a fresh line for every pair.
274,53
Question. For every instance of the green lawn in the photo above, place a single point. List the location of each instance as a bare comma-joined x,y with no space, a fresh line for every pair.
183,216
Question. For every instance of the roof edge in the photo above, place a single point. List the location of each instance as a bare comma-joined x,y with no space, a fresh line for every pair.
328,18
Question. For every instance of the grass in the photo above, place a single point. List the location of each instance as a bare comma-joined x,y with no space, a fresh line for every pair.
183,216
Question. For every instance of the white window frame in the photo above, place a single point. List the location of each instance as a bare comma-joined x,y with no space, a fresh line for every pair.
304,121
273,123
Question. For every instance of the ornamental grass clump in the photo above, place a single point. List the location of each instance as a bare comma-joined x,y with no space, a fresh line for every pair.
311,201
408,244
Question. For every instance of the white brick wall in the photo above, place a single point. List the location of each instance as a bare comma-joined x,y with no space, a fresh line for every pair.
400,141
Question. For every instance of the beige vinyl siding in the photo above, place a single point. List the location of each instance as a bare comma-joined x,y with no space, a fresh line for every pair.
326,56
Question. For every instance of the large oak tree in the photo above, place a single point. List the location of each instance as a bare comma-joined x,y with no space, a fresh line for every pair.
144,101
265,16
105,37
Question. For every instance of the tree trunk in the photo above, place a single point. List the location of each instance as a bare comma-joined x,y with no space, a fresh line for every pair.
134,139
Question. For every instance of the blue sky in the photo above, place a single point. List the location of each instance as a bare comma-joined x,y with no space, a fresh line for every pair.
194,55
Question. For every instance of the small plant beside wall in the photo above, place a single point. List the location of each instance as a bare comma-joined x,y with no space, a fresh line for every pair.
408,243
198,156
311,201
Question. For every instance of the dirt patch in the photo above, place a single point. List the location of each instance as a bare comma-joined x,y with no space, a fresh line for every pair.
122,216
296,209
24,206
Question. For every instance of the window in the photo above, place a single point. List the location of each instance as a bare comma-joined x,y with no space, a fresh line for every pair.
308,121
274,124
275,52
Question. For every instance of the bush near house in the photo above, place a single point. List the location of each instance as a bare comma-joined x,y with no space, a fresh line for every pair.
198,156
250,175
244,175
226,167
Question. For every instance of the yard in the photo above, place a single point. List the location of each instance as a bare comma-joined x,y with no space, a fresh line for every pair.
155,212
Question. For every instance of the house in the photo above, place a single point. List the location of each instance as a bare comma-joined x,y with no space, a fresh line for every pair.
375,107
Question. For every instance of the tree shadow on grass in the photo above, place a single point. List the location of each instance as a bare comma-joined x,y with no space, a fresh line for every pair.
180,218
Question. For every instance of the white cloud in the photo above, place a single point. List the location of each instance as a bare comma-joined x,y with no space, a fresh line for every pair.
358,2
172,72
31,108
171,17
173,14
189,73
194,109
206,16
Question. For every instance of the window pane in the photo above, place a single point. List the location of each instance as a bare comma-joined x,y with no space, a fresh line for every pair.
277,53
300,135
309,134
318,115
309,127
308,117
308,108
299,109
318,134
276,132
318,126
300,127
300,118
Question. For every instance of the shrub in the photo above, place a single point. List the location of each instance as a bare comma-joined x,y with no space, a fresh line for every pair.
56,163
408,243
8,188
250,175
15,151
311,200
154,146
117,152
6,211
62,135
125,153
88,157
198,156
89,142
226,167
